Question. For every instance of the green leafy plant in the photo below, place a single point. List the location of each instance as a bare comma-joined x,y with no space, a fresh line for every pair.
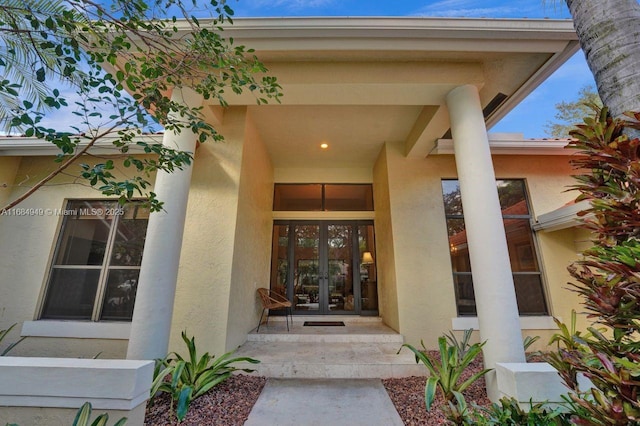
445,373
529,340
608,277
507,412
462,344
83,417
190,378
3,334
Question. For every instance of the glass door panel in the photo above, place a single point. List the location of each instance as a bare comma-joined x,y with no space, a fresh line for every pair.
340,267
306,263
325,267
368,272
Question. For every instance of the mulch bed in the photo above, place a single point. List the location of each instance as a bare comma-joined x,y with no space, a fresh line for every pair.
230,403
407,395
227,404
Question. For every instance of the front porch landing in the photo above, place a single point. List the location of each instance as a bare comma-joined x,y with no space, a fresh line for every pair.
364,348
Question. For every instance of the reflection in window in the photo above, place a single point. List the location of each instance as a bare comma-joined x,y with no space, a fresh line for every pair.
524,263
96,265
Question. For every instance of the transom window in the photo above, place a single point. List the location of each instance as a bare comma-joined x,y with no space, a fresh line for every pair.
322,197
522,253
96,264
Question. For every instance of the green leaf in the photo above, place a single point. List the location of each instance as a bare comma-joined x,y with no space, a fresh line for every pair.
184,399
430,391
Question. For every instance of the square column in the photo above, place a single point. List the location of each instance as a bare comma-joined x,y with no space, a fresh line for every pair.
495,294
153,310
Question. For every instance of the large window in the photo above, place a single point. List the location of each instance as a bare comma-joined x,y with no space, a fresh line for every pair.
524,262
94,273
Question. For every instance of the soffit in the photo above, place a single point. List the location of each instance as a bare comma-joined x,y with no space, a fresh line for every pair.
360,82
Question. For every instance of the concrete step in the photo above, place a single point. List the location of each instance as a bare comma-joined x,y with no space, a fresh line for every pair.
364,348
331,360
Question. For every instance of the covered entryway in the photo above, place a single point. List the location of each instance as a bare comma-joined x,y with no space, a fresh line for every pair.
325,267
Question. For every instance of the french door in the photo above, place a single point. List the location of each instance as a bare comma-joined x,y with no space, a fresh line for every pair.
325,267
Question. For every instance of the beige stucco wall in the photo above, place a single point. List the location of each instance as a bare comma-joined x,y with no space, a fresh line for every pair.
426,301
386,264
8,169
202,295
424,284
252,243
27,243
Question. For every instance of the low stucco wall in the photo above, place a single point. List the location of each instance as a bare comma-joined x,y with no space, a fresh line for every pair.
49,391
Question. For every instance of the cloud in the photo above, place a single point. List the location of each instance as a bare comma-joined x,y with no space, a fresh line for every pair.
496,9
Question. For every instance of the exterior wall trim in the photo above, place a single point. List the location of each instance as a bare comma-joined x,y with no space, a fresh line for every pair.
77,329
526,323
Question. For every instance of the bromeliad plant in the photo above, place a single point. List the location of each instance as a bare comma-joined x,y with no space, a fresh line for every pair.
608,278
190,378
445,373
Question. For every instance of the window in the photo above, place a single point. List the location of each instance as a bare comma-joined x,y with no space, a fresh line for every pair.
524,262
323,197
96,264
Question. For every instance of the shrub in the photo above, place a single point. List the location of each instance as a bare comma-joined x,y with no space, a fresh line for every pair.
445,373
608,278
509,413
191,378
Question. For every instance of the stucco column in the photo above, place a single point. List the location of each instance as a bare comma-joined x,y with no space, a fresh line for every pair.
151,323
491,270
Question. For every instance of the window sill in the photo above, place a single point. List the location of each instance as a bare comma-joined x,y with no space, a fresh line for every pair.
526,323
77,329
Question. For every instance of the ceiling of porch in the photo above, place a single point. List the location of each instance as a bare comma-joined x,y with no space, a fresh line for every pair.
356,83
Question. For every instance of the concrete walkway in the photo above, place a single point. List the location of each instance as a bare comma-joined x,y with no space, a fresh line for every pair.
309,402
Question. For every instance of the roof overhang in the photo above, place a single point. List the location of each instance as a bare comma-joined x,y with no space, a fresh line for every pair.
561,218
358,83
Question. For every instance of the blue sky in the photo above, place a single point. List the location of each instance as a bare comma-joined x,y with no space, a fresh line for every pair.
530,116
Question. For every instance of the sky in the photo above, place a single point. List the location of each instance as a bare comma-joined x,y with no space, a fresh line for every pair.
530,116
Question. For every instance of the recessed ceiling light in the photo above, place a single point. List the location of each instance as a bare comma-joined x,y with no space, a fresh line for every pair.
324,145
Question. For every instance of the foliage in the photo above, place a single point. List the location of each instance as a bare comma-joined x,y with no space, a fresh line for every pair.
123,59
463,344
192,377
445,373
569,113
608,278
507,412
83,417
3,334
529,340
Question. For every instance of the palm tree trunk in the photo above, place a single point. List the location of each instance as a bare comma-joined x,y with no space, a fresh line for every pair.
609,33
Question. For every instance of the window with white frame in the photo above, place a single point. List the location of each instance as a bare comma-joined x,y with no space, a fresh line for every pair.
96,263
522,252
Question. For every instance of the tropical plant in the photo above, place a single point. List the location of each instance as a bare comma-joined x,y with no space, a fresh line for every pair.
444,374
508,412
463,344
115,65
3,334
608,277
528,341
83,417
190,378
